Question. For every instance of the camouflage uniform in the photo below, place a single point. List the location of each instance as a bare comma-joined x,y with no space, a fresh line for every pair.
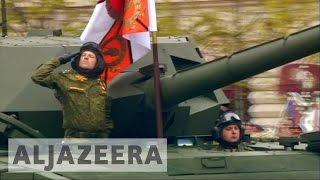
240,148
85,104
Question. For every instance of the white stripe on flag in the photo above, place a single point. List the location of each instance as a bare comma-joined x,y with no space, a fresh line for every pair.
140,44
98,25
152,15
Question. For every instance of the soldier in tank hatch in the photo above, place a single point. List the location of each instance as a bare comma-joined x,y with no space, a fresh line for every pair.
81,92
229,133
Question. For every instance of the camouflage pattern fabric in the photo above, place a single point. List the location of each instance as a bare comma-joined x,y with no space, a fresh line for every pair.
241,147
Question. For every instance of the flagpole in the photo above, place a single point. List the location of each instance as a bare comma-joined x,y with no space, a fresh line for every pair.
157,86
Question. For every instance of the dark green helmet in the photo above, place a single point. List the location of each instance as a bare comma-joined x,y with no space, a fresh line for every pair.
226,119
91,73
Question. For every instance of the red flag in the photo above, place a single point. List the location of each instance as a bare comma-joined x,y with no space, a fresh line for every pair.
121,27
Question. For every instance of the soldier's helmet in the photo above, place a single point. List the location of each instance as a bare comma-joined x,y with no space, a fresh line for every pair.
226,119
91,73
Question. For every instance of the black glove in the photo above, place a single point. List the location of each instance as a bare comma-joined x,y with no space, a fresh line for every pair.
68,57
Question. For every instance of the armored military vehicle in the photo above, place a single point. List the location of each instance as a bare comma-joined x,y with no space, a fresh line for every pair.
191,97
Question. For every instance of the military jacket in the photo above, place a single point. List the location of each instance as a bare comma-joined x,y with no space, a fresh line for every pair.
85,104
240,148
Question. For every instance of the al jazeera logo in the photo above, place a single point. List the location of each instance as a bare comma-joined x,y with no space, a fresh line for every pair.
89,155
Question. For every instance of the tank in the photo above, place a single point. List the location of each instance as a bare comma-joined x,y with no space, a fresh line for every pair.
191,94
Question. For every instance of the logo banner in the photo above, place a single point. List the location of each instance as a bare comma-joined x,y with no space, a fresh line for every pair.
87,155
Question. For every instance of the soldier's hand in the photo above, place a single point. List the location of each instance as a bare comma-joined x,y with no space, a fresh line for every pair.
68,57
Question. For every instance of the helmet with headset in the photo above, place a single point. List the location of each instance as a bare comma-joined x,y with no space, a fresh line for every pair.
226,119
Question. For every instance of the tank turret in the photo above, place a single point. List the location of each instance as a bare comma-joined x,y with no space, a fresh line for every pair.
186,82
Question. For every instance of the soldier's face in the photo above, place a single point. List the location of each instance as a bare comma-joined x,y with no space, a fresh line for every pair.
88,60
231,133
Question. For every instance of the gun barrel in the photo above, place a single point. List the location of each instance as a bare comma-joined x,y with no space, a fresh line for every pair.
216,74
